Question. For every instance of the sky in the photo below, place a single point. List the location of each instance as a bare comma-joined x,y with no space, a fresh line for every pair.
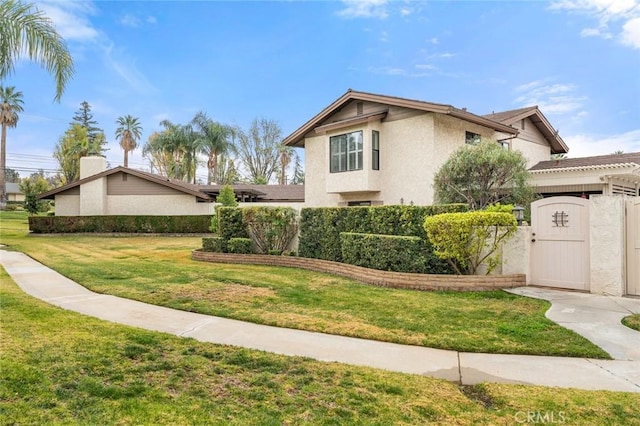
578,60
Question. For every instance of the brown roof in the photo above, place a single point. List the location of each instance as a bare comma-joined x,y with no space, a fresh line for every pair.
538,119
267,193
181,186
297,137
632,158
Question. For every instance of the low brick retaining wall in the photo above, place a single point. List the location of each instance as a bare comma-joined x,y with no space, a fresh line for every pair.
372,276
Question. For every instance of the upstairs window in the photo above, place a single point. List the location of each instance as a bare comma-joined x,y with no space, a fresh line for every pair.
472,138
346,152
375,150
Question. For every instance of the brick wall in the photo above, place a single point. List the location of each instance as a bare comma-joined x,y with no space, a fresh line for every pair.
373,276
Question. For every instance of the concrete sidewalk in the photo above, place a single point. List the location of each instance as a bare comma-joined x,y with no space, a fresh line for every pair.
465,368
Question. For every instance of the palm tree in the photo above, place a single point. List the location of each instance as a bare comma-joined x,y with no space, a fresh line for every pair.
286,154
213,141
31,32
128,132
10,106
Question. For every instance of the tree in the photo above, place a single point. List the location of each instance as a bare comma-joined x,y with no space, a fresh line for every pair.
11,175
258,150
286,155
128,132
227,197
32,187
298,173
10,106
618,152
227,171
213,141
73,145
84,118
173,151
24,31
483,174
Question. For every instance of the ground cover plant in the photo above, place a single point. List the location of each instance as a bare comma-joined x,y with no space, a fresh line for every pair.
632,321
60,367
159,270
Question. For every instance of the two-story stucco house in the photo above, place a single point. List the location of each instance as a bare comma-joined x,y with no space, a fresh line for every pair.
369,149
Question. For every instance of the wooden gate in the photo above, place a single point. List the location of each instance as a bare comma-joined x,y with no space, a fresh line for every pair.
633,246
560,243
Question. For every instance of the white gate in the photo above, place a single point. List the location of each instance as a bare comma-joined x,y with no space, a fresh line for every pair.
633,246
560,243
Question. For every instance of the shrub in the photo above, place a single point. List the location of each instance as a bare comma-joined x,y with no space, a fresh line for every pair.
213,244
467,240
270,228
128,224
385,252
227,197
230,224
239,245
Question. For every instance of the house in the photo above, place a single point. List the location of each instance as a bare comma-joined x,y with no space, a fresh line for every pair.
604,174
13,192
370,149
124,191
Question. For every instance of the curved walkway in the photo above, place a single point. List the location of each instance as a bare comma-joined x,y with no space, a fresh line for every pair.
465,368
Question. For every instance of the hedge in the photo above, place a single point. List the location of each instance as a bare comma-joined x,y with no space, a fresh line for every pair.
126,224
240,246
213,244
320,228
384,252
230,223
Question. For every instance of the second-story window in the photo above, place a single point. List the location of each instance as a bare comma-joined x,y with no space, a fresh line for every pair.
375,150
346,152
472,138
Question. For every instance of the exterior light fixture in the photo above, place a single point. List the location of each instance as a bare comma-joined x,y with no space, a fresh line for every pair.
518,212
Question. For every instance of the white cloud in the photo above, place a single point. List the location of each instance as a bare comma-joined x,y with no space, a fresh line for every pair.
550,98
151,20
125,67
588,145
618,19
129,21
405,11
71,19
364,9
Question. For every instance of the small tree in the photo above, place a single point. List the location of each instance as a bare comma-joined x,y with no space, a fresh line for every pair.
483,174
468,240
271,228
32,187
227,197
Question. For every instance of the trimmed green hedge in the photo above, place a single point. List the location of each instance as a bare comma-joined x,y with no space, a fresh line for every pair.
230,223
320,228
127,224
240,246
213,244
384,252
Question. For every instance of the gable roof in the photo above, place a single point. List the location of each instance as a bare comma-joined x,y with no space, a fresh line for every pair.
538,119
187,188
12,188
297,137
600,161
267,193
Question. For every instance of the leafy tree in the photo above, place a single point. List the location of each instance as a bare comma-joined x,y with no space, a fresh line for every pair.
298,173
10,105
618,152
213,141
32,187
558,156
11,175
227,172
25,30
128,131
84,118
227,197
286,155
483,174
73,145
173,151
258,150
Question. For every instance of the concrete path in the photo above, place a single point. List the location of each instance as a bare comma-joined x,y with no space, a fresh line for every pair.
465,368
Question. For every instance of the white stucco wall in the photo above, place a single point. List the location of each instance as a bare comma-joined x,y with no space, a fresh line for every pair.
516,253
67,205
156,205
607,244
93,197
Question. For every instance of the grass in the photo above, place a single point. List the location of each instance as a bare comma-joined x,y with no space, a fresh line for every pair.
60,367
632,321
159,270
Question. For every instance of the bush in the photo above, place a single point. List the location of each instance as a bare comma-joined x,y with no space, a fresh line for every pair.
468,240
385,252
127,224
230,224
227,197
239,246
213,244
320,228
270,228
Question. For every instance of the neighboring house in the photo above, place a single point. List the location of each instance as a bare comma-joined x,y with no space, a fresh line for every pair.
368,149
125,191
13,192
604,174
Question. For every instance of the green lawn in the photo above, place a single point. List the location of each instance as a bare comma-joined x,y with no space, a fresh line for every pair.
159,270
632,321
60,367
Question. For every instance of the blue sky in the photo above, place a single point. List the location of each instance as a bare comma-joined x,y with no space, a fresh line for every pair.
579,60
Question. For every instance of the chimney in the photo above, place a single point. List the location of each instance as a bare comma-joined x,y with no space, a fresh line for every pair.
90,166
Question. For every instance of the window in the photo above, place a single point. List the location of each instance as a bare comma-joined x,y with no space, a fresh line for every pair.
472,138
375,150
504,145
359,203
346,152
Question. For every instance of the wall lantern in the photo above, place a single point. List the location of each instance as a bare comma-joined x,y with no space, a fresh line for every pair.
518,212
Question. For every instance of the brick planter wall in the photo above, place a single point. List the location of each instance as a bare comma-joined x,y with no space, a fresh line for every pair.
373,276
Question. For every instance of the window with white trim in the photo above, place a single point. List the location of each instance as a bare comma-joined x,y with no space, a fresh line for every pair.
472,138
346,152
